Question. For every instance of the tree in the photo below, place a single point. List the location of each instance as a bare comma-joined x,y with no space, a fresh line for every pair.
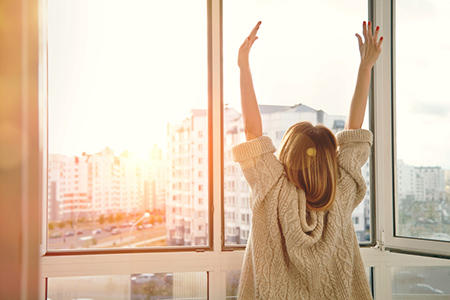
51,226
101,219
70,223
111,219
61,225
152,220
159,220
119,217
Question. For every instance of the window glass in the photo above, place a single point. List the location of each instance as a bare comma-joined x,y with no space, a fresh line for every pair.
420,282
181,285
127,124
297,77
422,120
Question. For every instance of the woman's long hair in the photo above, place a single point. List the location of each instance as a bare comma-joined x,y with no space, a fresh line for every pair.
308,154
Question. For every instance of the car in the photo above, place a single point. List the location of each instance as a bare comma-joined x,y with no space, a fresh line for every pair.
115,231
408,277
142,278
79,231
96,231
56,234
125,225
110,228
421,288
69,233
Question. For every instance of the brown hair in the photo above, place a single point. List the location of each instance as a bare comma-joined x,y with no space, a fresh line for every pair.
308,154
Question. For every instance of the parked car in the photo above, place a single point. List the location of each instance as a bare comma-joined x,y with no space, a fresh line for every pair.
69,233
125,225
115,231
96,231
142,278
79,231
422,288
110,228
55,234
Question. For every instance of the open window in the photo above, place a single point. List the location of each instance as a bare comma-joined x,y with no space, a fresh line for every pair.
418,221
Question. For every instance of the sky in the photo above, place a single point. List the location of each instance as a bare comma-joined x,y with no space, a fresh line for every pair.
119,73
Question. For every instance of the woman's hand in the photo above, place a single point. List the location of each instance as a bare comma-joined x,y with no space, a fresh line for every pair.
371,48
244,50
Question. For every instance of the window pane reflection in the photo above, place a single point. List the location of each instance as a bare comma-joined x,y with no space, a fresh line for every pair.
420,282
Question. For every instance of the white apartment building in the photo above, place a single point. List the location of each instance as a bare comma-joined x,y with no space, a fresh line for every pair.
93,185
155,180
67,187
420,183
187,181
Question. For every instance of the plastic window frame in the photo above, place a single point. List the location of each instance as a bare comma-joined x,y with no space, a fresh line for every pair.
385,138
215,261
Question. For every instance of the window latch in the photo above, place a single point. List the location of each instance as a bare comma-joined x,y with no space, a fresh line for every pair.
381,242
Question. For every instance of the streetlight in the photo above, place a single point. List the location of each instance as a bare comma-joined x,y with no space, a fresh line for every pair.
145,216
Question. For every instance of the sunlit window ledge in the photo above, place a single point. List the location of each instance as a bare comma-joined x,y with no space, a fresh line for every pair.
76,265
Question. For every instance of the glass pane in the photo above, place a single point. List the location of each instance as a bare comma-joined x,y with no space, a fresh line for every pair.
127,124
185,285
296,78
422,120
234,276
420,283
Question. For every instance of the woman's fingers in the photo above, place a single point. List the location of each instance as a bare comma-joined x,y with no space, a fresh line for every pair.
254,31
365,31
375,36
380,42
360,42
369,29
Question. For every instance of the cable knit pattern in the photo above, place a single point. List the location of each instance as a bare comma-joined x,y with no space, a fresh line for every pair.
295,253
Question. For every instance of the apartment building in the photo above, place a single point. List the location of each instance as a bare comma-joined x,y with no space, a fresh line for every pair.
99,184
187,181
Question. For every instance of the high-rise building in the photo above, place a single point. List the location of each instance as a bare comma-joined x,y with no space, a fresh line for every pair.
187,181
93,185
155,181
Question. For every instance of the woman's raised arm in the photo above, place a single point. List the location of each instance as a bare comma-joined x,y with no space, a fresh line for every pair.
370,51
249,104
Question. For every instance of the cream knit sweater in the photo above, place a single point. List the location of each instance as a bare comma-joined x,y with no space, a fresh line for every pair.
294,253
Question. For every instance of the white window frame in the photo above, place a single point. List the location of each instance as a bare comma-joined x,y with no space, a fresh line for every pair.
217,262
384,145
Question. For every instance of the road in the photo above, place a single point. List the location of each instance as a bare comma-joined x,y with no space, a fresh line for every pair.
106,239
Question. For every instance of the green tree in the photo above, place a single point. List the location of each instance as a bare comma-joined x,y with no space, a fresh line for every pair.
159,219
152,220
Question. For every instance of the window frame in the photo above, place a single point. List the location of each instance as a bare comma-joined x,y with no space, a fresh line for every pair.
217,260
385,137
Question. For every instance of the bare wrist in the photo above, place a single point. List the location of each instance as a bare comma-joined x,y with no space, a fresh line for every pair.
365,67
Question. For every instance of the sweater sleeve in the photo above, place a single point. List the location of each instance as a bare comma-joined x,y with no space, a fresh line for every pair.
353,152
260,166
